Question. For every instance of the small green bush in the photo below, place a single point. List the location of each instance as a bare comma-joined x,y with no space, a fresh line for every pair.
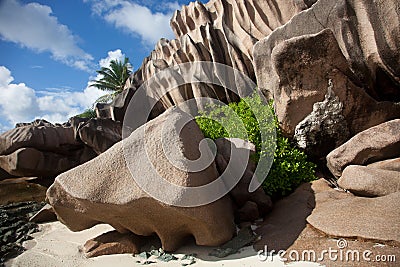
89,113
290,167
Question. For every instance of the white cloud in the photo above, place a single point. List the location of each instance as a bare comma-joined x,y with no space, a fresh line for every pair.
105,62
112,55
33,26
137,19
20,103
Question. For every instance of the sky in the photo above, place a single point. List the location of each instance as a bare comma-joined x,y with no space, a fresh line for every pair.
51,49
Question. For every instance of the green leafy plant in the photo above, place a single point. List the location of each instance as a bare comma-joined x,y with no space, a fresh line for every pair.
290,167
88,113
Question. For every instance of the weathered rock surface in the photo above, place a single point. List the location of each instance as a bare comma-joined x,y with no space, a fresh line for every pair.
368,181
33,162
43,136
311,239
364,218
112,243
21,190
112,196
100,134
315,216
351,44
46,150
375,144
45,214
287,220
222,31
390,165
239,153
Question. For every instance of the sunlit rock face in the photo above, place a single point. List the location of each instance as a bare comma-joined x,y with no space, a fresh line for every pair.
221,31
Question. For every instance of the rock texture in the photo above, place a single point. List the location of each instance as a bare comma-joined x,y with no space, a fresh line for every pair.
222,31
364,218
46,150
239,153
315,216
311,239
369,182
282,226
112,196
112,243
100,134
375,144
351,44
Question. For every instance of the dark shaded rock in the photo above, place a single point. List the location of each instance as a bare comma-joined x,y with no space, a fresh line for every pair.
243,152
33,162
5,175
367,181
117,108
21,190
286,220
37,122
100,134
375,144
15,228
248,212
46,137
42,149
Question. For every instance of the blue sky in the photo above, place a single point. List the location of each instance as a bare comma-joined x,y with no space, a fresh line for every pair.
50,49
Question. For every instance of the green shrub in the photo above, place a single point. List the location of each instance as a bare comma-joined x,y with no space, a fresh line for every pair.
88,113
290,167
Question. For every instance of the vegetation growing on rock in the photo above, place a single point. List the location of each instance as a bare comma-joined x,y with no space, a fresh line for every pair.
87,114
290,167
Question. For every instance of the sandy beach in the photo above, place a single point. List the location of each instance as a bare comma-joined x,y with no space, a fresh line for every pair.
56,245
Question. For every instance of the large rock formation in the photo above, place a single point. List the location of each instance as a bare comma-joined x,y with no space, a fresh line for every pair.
364,218
347,50
375,144
46,150
112,194
368,181
222,31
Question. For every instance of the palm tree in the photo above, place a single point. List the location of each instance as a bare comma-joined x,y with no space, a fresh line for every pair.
113,78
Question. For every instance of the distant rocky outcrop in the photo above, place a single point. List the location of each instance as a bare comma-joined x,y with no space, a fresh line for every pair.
45,150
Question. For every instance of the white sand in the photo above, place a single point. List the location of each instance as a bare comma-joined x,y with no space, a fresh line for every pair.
57,246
